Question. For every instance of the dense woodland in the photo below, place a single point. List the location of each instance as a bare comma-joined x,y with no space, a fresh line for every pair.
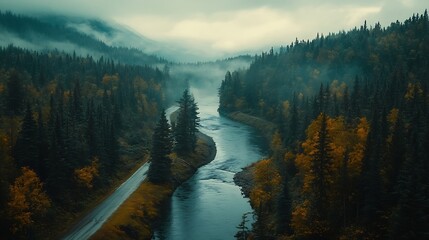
350,157
68,126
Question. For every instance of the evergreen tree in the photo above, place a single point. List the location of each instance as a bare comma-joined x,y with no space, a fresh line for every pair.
187,124
25,151
320,184
15,95
159,170
293,124
43,147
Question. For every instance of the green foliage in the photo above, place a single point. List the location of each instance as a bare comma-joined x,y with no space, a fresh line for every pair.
25,150
15,94
162,146
75,112
187,124
355,178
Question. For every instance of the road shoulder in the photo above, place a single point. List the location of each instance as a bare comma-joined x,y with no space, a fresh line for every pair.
135,217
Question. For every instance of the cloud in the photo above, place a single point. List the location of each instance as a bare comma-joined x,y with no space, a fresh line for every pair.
252,28
228,31
224,27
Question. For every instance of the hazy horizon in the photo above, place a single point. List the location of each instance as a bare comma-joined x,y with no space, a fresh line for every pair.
215,30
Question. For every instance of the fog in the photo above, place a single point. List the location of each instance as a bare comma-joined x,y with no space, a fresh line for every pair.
118,35
38,43
208,30
203,79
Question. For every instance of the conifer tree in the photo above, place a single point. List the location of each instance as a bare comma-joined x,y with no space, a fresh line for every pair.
15,95
320,184
187,124
159,171
25,151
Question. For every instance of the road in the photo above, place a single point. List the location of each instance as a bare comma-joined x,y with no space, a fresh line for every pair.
95,219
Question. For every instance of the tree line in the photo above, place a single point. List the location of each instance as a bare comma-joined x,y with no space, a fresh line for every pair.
56,30
349,159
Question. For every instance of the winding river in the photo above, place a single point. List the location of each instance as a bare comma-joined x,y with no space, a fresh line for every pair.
210,205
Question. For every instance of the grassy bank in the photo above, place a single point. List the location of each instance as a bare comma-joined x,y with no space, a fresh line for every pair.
265,127
134,217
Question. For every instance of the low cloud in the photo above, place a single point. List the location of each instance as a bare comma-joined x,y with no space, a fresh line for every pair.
224,27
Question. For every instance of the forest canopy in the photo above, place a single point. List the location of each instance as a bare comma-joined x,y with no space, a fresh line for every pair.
72,124
352,114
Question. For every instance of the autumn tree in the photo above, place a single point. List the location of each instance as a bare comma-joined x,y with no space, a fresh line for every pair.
85,176
162,144
28,202
263,195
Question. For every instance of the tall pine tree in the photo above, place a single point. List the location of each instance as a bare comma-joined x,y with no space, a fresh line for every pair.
159,171
187,124
25,151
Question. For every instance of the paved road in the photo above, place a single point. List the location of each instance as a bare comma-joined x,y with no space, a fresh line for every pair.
95,219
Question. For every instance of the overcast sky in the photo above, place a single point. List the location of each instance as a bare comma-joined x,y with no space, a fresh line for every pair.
230,26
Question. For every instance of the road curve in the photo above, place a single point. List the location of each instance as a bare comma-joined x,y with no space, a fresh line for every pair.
95,219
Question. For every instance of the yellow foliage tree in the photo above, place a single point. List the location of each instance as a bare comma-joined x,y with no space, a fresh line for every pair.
85,176
300,219
358,148
342,139
267,183
27,200
110,79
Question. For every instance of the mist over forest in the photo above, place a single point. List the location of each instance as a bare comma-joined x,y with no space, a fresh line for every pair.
86,101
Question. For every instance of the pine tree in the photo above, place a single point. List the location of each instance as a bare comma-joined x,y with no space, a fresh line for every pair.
187,124
293,124
43,146
320,168
15,95
25,151
159,171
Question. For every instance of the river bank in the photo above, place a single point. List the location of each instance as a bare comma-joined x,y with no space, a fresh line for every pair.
244,179
266,128
134,218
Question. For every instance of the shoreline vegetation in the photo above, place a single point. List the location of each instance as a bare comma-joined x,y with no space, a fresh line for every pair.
245,179
134,218
266,128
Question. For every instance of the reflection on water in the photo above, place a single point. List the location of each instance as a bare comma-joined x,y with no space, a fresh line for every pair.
210,205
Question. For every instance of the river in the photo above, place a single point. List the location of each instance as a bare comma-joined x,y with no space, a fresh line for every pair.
209,205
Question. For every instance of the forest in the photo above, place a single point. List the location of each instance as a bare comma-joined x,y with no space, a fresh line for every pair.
349,158
70,127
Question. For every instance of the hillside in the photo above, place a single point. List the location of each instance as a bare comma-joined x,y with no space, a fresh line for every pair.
349,158
75,36
71,128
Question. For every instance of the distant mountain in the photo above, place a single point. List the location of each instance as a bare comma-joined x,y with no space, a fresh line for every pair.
92,36
114,34
75,35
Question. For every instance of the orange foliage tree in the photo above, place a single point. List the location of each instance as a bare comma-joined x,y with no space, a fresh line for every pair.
86,175
346,152
267,183
28,201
